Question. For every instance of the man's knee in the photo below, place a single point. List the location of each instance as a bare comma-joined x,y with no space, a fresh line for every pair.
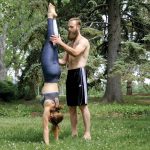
83,107
72,109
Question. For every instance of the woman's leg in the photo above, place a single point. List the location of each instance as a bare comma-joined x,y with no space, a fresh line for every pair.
52,25
55,27
53,30
49,59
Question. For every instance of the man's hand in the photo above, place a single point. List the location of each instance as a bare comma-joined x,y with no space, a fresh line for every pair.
74,51
56,39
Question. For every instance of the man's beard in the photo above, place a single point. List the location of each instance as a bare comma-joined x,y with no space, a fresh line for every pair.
72,35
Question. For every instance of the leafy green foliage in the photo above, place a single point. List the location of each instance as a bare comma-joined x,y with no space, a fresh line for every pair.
8,91
147,37
132,59
26,21
91,32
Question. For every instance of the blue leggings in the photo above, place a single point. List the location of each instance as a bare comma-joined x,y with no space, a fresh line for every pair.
49,58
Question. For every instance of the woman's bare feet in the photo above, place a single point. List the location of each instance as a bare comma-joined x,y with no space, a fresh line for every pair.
51,11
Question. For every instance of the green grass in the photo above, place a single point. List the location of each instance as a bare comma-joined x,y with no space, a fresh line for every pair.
113,127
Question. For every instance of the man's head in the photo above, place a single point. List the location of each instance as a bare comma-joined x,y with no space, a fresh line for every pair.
74,25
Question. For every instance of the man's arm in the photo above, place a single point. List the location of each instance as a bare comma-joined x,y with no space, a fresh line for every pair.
72,51
64,60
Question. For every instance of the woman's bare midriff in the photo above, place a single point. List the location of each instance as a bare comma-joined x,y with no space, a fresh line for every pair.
50,87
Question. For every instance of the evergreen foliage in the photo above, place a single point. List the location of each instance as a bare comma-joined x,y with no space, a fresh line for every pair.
8,91
26,21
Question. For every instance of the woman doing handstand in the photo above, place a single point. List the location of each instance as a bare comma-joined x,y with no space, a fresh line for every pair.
51,72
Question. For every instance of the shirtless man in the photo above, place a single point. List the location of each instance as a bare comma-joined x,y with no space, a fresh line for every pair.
76,55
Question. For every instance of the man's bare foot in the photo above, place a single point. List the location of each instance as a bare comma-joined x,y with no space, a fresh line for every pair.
51,11
74,134
87,136
47,143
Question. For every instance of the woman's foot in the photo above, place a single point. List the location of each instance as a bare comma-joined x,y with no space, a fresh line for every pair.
51,11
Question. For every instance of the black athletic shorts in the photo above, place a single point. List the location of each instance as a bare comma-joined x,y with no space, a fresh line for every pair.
76,87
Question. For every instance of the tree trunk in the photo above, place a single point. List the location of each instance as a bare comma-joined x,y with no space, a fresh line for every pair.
113,87
2,50
129,88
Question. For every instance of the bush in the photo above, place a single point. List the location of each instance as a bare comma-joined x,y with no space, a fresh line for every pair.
8,91
26,92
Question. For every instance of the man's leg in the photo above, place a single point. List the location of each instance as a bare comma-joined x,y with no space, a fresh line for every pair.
86,120
73,119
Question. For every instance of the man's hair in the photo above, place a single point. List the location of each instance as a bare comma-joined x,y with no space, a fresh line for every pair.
78,21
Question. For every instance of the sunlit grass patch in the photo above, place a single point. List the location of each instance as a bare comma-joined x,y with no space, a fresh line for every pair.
118,110
113,127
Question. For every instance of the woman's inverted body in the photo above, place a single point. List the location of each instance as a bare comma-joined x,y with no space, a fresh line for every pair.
49,58
51,73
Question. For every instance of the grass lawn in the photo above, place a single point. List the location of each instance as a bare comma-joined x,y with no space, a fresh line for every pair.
113,127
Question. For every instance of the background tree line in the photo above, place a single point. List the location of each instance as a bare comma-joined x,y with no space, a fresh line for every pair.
118,31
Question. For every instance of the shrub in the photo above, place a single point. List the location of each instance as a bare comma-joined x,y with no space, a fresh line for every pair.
8,90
